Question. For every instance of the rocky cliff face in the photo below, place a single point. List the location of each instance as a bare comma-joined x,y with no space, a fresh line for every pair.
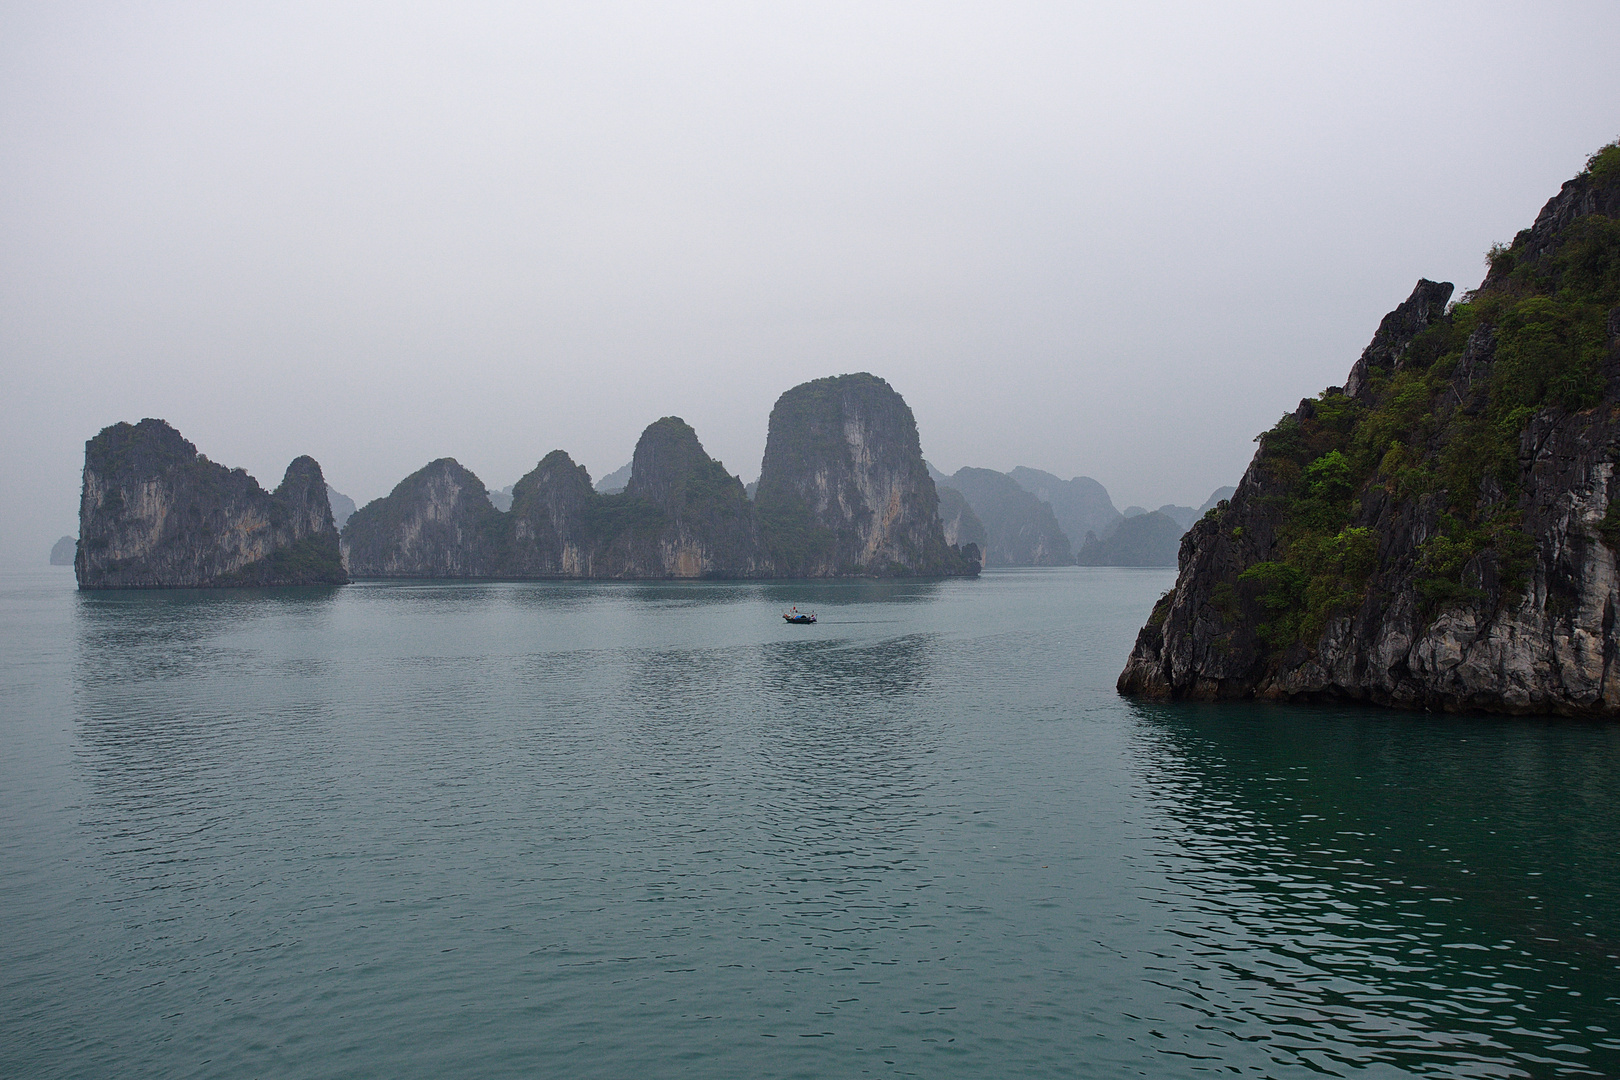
851,496
685,516
962,526
843,489
436,523
682,516
553,521
155,514
1442,532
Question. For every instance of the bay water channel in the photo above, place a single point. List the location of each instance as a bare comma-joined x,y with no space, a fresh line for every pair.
638,830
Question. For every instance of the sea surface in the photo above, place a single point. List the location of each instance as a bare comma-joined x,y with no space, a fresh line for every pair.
643,831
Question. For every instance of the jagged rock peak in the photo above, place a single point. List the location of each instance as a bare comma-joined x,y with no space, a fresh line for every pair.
303,488
1442,534
681,515
670,465
556,475
437,522
154,513
1416,314
553,520
843,488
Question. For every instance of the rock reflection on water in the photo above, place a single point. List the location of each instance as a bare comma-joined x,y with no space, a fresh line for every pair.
139,635
609,829
811,594
1358,887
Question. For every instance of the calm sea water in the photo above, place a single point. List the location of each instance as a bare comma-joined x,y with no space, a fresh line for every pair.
400,830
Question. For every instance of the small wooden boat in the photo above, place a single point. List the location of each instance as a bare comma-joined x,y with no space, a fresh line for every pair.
798,617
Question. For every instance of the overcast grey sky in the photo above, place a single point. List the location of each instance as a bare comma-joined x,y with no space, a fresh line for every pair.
1115,240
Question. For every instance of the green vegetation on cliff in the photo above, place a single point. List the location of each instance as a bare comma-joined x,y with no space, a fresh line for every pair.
1442,424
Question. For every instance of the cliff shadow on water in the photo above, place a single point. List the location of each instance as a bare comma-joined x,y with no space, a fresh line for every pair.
1441,531
1458,862
132,636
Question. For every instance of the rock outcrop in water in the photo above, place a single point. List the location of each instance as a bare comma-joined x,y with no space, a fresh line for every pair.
63,550
685,515
554,521
681,516
1442,532
843,489
849,495
155,514
438,522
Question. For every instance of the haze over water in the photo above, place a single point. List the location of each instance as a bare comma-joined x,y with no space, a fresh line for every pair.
645,830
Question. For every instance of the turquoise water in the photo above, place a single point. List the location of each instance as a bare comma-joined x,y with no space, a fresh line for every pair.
399,830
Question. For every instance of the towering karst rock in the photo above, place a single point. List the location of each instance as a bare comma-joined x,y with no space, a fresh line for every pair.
1442,532
438,522
553,521
843,489
683,515
851,496
154,513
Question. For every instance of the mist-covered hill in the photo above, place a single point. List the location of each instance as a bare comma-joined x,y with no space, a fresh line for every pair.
1020,529
1081,505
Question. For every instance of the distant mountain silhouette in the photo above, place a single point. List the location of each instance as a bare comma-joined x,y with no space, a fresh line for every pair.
1215,499
616,481
1150,539
1183,516
1021,528
961,524
1080,505
342,506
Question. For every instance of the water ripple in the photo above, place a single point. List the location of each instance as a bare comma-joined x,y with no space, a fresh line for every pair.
603,830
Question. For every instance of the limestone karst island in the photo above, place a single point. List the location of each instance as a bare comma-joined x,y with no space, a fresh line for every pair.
843,491
1440,532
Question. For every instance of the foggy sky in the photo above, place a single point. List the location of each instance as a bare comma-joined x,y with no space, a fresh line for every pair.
1110,240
